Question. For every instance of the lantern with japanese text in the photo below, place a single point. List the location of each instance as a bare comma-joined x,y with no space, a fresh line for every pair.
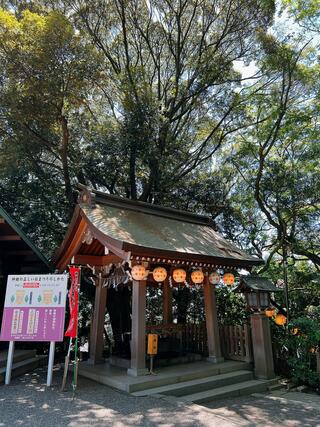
138,272
159,274
197,276
228,279
179,275
214,278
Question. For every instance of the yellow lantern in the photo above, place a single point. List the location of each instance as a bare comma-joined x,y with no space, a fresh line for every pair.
214,278
159,274
197,276
269,312
228,279
138,272
280,319
179,275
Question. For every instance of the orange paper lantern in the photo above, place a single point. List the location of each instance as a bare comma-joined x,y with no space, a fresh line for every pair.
159,274
214,278
179,275
228,279
197,276
280,319
138,272
269,312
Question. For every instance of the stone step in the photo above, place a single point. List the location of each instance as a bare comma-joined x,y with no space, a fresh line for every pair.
23,366
199,384
18,356
232,390
276,386
186,372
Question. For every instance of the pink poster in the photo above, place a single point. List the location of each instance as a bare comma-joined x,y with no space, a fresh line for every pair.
34,308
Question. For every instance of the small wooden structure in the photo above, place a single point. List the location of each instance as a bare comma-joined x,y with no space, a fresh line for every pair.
107,229
18,255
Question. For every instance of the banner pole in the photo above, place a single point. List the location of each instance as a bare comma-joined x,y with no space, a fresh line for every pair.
50,363
66,366
9,362
75,370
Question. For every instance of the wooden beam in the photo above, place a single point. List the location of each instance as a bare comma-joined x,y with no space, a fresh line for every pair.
9,237
97,326
73,247
98,260
138,334
213,339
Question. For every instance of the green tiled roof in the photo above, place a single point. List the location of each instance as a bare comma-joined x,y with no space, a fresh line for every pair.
156,227
257,283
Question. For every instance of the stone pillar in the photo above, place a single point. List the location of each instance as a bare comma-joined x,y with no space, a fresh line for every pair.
97,326
167,303
262,346
138,333
213,337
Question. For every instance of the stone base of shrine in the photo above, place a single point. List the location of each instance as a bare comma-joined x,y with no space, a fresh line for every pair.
118,378
160,362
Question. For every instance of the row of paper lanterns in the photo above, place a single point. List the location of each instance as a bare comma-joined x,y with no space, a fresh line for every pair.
179,275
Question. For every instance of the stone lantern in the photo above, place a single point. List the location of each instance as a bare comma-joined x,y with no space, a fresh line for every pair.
257,293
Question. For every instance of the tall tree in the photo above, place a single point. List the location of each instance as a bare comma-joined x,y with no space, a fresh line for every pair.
46,76
277,159
171,84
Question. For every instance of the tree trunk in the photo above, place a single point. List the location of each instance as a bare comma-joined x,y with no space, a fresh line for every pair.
64,160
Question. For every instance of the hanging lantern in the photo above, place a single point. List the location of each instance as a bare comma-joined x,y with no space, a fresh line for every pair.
214,278
179,275
228,279
197,276
280,319
159,274
138,272
269,312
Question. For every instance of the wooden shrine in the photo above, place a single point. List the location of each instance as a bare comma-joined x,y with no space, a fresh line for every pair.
109,230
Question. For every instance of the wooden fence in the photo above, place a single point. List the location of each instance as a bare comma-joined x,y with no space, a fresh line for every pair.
192,338
236,342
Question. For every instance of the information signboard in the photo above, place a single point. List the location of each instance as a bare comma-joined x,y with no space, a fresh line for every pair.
34,308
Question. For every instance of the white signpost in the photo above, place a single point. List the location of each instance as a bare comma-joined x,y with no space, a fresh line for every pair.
34,310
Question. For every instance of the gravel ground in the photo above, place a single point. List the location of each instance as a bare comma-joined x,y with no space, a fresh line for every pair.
28,402
266,411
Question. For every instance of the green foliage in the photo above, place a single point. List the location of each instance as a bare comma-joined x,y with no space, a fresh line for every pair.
302,346
231,307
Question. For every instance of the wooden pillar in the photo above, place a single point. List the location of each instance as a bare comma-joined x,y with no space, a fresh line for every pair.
167,303
213,338
138,333
262,346
97,327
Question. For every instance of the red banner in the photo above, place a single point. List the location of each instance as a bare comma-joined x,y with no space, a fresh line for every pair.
73,302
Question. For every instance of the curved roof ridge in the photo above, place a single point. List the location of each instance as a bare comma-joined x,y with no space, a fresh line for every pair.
103,198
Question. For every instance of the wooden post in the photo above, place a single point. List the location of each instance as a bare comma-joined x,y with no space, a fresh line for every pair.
262,346
138,333
97,327
167,303
318,362
213,338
